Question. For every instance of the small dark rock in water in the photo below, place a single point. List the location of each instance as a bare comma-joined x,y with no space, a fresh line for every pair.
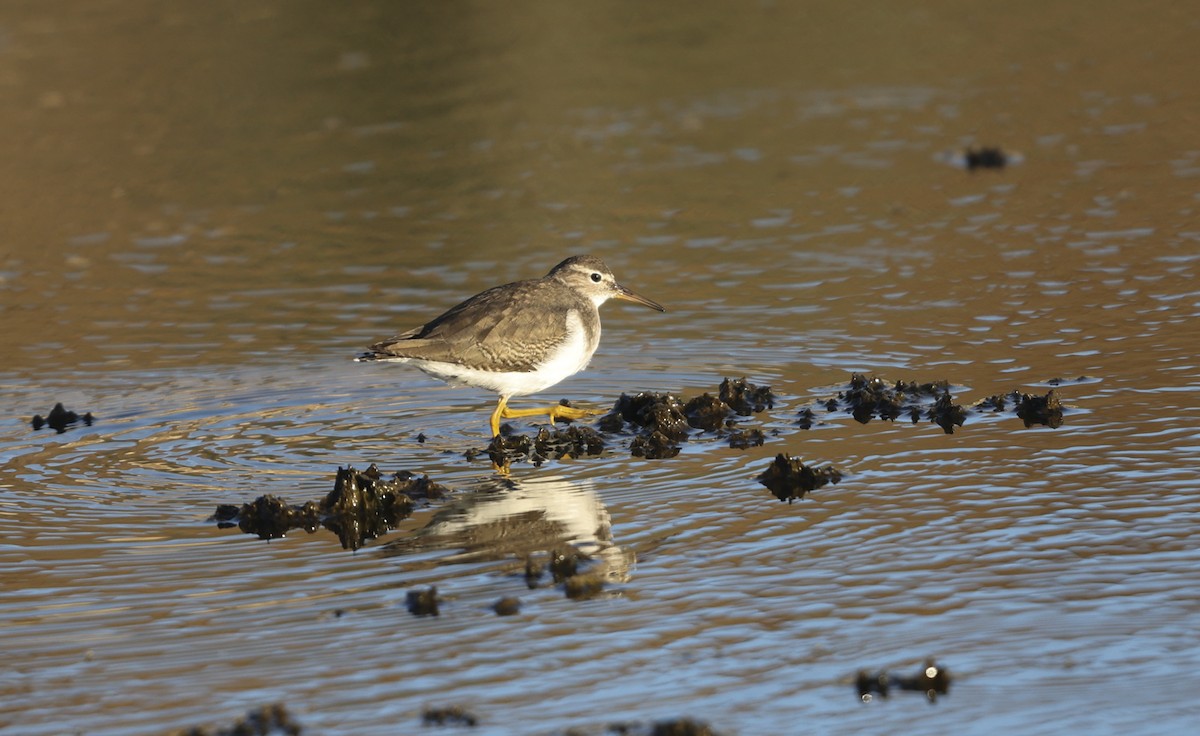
807,417
533,573
682,727
932,680
746,398
745,439
584,585
269,720
423,602
985,158
673,727
653,446
507,606
564,562
790,479
1046,410
453,715
706,412
60,419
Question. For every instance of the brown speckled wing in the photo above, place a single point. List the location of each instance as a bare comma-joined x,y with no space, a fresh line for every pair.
507,328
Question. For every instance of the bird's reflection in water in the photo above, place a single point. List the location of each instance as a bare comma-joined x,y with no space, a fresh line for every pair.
512,521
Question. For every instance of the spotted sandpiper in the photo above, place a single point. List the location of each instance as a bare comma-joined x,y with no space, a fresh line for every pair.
516,339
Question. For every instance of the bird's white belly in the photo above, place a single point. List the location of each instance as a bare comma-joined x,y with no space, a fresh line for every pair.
571,357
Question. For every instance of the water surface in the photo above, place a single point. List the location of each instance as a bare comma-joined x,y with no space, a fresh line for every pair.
208,211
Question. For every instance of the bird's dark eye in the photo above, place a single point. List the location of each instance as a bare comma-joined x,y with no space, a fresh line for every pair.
596,277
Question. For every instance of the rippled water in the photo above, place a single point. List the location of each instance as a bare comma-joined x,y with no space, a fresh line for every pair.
211,213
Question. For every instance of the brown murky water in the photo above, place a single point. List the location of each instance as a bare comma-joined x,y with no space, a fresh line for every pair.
207,209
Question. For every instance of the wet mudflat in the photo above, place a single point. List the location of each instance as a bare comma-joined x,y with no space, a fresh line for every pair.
199,284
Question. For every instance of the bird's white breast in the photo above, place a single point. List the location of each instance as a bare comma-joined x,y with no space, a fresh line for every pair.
570,357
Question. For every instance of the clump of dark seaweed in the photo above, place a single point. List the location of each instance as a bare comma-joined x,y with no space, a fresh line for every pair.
746,398
946,414
1030,408
985,157
60,419
1046,410
670,727
932,680
744,439
654,446
422,601
362,506
268,720
867,398
549,443
663,421
584,585
658,419
707,412
509,605
789,478
450,715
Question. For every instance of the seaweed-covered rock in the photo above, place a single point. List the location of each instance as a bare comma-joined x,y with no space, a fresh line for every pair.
422,601
548,443
743,439
1030,408
451,715
789,478
1045,410
946,414
60,419
507,606
583,585
269,720
746,398
362,506
654,446
652,412
931,680
706,412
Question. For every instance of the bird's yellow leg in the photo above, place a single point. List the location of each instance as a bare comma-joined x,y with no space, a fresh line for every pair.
501,411
556,412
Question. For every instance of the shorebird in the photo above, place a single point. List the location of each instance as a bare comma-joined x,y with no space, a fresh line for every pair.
516,339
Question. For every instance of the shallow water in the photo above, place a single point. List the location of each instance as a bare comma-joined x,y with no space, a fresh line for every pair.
209,212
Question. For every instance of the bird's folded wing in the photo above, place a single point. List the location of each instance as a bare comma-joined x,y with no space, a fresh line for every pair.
495,330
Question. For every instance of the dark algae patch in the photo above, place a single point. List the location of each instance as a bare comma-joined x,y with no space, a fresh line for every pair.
362,506
422,601
874,398
1030,408
985,157
662,422
269,720
556,444
932,680
745,398
449,715
659,424
669,727
789,478
60,419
